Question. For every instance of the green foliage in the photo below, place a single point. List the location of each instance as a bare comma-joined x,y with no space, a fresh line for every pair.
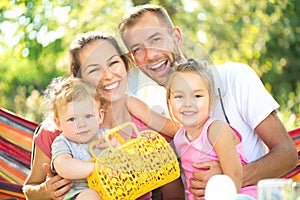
35,35
263,34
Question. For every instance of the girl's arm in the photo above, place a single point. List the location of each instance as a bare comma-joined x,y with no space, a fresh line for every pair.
224,141
70,168
38,186
151,118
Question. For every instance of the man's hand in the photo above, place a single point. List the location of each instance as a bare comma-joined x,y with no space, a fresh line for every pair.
200,179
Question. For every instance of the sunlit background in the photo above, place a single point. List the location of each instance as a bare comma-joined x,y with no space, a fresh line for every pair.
35,35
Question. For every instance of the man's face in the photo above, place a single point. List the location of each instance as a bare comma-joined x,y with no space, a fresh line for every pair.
153,47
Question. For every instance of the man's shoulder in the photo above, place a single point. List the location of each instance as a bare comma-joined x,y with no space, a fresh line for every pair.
233,69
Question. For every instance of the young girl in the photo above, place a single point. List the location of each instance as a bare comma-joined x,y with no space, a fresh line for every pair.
190,98
77,110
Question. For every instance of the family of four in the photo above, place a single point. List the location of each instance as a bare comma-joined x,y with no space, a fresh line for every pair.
222,119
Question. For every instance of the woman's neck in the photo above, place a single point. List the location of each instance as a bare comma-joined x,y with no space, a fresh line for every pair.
117,113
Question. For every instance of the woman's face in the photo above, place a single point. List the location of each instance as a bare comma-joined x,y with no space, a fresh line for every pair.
102,66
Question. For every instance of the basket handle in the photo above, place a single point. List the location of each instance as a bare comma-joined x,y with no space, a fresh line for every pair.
114,132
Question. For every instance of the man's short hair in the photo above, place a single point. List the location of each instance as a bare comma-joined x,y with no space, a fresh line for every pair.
135,13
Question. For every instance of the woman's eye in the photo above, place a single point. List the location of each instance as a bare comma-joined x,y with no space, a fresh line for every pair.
114,62
93,70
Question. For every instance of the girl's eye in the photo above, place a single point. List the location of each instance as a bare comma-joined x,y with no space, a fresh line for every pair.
72,119
198,96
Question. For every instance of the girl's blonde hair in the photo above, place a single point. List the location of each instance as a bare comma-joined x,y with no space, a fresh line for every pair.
202,69
65,90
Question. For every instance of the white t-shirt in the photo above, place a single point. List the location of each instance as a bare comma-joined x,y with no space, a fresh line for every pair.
245,99
246,103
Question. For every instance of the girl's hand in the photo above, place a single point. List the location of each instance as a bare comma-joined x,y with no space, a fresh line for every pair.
56,186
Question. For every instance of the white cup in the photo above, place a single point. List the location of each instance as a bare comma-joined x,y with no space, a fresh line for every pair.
275,189
296,187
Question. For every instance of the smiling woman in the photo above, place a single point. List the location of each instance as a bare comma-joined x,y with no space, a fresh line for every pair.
97,58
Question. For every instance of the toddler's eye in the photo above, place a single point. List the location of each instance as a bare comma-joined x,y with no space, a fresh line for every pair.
89,116
178,96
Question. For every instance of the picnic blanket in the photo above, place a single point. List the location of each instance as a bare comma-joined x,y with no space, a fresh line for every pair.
15,153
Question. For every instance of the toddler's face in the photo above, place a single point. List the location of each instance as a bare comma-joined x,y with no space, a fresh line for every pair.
79,120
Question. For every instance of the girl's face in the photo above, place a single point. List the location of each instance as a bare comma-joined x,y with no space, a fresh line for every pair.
103,67
189,99
80,120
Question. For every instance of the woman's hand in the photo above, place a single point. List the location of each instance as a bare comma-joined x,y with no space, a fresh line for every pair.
56,186
200,179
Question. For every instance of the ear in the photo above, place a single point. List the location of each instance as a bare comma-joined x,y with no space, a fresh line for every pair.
177,35
101,116
57,123
131,57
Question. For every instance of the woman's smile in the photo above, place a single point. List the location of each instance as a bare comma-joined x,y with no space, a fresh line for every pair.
111,87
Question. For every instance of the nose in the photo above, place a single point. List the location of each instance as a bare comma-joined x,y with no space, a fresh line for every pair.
188,102
151,53
107,74
80,123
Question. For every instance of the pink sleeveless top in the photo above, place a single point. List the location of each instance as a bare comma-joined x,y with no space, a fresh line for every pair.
201,150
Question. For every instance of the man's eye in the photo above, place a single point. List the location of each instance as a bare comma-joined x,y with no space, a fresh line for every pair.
156,39
136,50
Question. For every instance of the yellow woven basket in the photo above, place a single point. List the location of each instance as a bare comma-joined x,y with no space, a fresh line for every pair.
135,168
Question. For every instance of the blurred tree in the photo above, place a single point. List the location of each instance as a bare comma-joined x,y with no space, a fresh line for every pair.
35,35
263,34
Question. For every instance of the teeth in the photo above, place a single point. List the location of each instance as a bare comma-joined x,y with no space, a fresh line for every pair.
157,65
188,112
112,86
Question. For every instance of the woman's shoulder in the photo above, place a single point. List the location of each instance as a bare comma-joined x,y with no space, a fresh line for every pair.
46,131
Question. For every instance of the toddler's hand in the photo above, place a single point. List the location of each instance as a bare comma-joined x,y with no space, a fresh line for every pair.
102,144
114,140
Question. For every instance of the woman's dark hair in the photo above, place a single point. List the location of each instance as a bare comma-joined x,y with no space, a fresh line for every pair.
86,39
